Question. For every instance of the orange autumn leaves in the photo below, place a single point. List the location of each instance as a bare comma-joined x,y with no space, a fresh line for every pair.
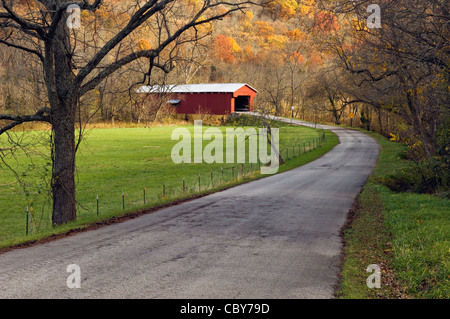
326,22
143,44
226,48
299,26
252,37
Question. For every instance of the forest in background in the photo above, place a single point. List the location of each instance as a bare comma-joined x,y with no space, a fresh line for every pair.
317,56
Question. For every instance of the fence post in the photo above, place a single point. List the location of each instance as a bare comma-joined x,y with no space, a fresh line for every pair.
211,185
164,189
123,200
27,221
97,205
199,186
144,195
184,186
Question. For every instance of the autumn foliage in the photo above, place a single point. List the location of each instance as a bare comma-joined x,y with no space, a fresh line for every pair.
226,48
326,22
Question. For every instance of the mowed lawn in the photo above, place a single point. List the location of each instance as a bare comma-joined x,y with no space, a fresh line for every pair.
124,167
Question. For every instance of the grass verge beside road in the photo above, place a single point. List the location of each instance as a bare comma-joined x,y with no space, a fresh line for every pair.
406,234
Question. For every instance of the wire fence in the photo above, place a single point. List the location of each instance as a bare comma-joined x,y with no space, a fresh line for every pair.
187,186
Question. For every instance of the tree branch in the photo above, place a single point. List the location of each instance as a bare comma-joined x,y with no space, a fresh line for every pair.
22,22
35,52
39,116
151,54
136,20
11,24
63,8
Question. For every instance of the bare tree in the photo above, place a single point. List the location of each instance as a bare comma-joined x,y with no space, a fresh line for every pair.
72,67
402,66
275,91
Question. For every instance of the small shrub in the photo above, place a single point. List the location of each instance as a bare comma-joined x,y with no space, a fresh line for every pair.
427,177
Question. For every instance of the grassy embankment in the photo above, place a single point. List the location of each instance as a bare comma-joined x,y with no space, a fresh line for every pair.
406,234
128,160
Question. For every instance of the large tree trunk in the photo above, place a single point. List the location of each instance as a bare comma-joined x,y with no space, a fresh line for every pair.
63,175
63,100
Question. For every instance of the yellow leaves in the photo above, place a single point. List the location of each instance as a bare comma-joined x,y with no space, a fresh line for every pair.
266,36
310,3
283,9
394,138
416,145
102,12
144,45
234,46
264,29
438,80
278,41
204,27
419,90
305,10
296,35
247,26
348,59
359,25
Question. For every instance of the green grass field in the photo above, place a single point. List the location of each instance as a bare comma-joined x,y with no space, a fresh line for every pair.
406,234
128,160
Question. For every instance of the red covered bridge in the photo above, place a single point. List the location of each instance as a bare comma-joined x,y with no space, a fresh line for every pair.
215,99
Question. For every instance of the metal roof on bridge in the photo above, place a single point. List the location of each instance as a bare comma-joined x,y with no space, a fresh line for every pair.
194,88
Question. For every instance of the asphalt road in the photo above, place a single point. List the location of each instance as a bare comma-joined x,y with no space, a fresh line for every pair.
277,237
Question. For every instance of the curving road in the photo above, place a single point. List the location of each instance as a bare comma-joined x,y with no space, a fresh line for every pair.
277,237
